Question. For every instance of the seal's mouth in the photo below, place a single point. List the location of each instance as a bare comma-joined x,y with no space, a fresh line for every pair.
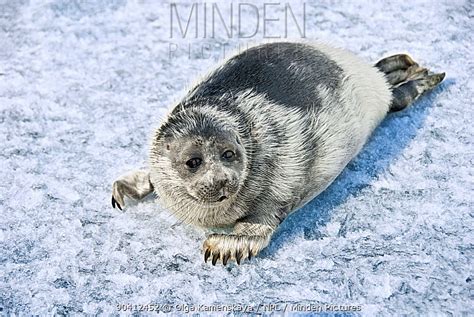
221,199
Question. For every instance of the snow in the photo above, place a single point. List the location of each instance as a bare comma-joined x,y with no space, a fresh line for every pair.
84,83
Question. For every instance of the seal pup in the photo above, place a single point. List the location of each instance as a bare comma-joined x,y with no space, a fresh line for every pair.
263,134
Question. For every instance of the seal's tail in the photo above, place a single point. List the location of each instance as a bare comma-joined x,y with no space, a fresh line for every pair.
408,79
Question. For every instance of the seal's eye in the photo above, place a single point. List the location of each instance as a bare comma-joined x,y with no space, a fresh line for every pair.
228,155
194,162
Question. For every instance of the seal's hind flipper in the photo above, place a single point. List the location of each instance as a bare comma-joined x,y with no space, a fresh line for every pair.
408,92
399,76
407,78
395,62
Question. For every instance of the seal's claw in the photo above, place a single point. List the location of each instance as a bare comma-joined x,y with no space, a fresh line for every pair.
215,257
114,202
117,196
207,254
238,256
225,258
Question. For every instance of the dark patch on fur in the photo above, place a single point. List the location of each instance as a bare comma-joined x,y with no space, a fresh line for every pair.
287,73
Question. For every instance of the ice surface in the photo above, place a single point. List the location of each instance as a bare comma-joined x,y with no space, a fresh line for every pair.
82,85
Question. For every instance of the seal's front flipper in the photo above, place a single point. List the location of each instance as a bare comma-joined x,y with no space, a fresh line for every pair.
408,92
135,184
245,242
235,247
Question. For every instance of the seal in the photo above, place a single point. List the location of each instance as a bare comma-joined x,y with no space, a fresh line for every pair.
263,134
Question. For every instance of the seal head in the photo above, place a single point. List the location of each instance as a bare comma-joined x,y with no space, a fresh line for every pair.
199,164
208,165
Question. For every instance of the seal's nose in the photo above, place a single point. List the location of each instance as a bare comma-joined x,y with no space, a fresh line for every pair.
221,183
223,195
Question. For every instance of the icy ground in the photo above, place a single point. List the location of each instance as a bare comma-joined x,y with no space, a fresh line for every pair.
82,85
